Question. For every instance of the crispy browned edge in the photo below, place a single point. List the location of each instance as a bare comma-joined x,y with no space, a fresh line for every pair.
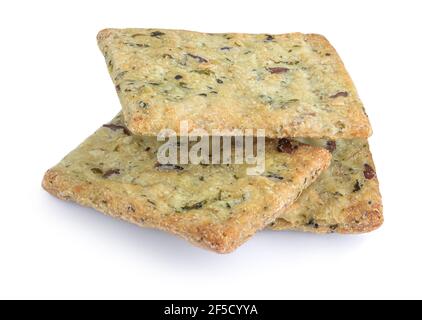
359,129
216,237
369,220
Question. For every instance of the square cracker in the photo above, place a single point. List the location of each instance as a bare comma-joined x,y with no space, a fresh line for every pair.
214,206
291,85
345,198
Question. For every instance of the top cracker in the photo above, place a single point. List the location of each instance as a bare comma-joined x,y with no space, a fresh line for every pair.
291,85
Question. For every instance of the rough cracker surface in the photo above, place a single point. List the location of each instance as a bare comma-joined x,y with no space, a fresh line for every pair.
291,85
214,206
345,198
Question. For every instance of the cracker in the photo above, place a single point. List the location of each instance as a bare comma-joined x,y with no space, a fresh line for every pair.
291,85
344,199
214,206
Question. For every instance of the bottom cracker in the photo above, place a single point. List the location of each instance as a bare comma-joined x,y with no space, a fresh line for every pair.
217,207
344,199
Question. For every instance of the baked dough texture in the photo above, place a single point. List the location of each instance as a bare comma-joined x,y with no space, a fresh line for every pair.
291,85
345,198
217,207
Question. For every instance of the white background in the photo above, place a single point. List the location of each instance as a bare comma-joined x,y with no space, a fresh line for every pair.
55,91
